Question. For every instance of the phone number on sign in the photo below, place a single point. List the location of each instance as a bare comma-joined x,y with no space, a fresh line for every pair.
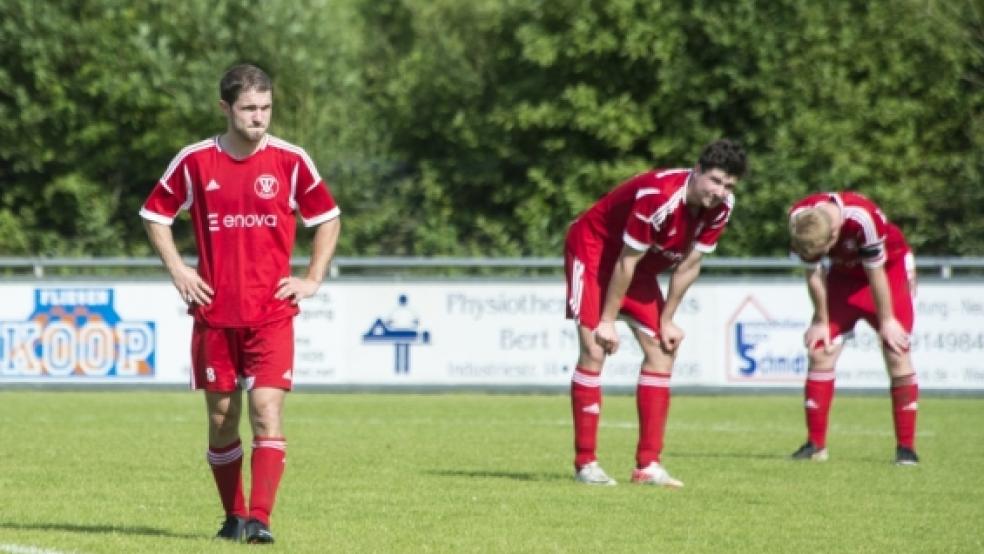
950,341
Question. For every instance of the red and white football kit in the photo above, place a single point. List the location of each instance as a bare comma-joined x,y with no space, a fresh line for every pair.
866,239
242,212
648,212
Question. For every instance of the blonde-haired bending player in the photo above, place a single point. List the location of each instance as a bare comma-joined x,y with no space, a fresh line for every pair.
871,276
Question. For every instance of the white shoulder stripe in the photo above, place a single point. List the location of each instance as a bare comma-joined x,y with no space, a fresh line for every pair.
674,202
671,172
189,190
294,149
293,188
863,218
645,192
184,153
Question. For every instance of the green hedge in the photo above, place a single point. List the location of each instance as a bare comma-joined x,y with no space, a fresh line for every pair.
483,127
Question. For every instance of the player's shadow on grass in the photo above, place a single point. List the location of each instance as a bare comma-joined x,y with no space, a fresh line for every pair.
494,474
97,528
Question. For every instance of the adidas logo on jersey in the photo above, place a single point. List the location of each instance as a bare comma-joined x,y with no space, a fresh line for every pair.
212,185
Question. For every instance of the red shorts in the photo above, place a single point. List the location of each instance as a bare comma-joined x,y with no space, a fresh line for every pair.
225,359
586,290
850,299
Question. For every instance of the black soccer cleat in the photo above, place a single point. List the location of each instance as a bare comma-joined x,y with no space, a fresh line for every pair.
256,532
810,451
232,529
906,457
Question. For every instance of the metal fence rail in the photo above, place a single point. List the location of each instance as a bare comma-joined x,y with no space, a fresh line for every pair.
942,267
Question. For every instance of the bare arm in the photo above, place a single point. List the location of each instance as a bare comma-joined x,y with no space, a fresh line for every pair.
684,275
322,251
889,328
819,329
605,334
190,285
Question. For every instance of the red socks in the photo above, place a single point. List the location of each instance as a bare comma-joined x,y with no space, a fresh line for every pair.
653,405
905,406
586,408
818,396
267,467
227,464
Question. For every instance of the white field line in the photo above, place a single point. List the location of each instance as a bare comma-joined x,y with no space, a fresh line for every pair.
27,549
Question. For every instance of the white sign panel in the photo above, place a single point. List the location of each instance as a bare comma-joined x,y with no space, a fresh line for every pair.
445,333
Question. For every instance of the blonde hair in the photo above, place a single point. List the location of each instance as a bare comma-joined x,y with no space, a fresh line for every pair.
810,232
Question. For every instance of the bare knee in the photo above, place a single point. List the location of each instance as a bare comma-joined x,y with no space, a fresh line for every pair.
265,412
591,359
223,421
899,365
591,356
821,358
655,359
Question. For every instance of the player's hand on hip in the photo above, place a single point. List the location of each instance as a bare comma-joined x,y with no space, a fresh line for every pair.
894,335
670,336
296,289
192,288
606,337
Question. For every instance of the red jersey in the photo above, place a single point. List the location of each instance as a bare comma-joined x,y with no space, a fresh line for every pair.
649,212
866,238
242,212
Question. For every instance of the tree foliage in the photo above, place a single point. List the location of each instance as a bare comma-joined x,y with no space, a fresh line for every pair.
484,127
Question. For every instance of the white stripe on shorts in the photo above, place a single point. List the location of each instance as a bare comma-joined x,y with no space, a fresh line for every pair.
577,288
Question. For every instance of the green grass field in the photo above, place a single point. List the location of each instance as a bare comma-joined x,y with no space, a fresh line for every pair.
125,472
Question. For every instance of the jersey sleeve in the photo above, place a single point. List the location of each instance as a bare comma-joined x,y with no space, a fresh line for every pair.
171,194
872,228
310,195
708,237
644,220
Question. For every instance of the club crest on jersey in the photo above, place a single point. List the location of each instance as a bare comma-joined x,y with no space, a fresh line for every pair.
266,186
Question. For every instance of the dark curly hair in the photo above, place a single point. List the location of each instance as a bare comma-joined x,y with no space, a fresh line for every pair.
726,155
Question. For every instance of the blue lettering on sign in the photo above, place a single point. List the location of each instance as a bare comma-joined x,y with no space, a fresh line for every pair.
770,348
76,332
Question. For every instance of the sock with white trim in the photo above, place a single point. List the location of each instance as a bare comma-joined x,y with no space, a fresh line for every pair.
653,407
269,457
586,408
818,395
227,469
905,407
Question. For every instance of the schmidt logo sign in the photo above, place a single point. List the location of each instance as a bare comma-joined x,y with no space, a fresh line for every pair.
401,328
760,348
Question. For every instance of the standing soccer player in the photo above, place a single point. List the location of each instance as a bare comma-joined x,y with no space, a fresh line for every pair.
242,189
871,277
663,220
